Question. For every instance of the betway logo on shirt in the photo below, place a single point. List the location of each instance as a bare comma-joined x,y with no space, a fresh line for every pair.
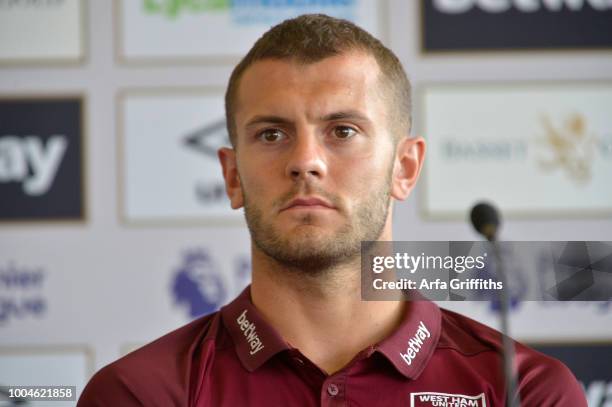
249,330
428,399
415,343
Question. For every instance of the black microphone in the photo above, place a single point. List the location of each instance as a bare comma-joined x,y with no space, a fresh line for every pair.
486,220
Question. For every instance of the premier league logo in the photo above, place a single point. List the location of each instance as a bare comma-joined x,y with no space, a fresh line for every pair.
198,284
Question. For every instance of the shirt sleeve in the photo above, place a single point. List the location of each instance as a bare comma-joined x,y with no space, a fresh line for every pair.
548,382
107,389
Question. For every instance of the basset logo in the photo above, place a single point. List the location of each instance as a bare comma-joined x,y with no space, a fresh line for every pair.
571,147
433,399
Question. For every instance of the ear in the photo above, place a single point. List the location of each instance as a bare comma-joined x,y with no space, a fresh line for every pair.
409,158
227,157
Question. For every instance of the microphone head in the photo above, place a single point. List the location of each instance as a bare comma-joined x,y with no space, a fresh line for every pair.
485,219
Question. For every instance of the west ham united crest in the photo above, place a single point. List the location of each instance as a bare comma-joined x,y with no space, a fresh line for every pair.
431,399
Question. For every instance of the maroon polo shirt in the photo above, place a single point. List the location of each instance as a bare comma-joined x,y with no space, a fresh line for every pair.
235,358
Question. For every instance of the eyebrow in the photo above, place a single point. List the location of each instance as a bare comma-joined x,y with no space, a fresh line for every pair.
341,115
345,115
259,119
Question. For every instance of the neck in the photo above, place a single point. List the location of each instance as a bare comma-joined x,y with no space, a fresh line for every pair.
322,315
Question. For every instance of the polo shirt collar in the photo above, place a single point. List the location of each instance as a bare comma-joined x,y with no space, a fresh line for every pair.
255,340
409,348
413,343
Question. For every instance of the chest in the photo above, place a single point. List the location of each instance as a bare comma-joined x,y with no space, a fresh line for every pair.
445,382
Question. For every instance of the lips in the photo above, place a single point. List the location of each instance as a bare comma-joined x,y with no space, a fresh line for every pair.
308,203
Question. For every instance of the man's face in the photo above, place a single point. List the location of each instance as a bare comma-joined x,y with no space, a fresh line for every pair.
313,158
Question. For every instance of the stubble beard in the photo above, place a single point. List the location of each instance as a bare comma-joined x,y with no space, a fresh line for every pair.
306,250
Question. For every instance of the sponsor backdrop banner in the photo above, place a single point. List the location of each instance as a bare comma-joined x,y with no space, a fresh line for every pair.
107,293
166,30
473,25
160,248
41,162
170,170
535,149
41,31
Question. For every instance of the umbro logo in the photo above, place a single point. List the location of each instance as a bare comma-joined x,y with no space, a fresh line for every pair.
208,139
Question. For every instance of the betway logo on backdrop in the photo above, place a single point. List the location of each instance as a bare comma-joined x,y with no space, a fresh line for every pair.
40,159
526,6
456,25
27,161
170,170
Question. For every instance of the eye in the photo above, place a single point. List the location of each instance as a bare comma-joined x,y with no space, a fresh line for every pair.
344,132
271,135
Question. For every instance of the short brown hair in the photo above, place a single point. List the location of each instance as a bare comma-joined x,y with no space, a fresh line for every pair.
312,37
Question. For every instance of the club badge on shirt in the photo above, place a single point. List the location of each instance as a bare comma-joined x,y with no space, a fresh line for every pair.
431,399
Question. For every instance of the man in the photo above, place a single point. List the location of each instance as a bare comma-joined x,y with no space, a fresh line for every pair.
318,114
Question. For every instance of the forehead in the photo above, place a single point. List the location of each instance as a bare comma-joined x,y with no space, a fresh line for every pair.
285,86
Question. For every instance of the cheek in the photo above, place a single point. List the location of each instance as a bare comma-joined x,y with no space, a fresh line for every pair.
354,182
257,182
364,171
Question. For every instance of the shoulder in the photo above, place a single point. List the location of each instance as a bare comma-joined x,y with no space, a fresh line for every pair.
467,336
160,373
542,380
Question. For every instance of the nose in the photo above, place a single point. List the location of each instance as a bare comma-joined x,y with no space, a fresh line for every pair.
306,158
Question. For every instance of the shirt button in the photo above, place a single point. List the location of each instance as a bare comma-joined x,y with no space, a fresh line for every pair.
332,390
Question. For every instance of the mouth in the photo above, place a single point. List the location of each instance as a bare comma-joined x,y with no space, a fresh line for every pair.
308,203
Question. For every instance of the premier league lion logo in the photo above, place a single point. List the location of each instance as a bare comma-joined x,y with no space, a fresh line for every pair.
198,285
